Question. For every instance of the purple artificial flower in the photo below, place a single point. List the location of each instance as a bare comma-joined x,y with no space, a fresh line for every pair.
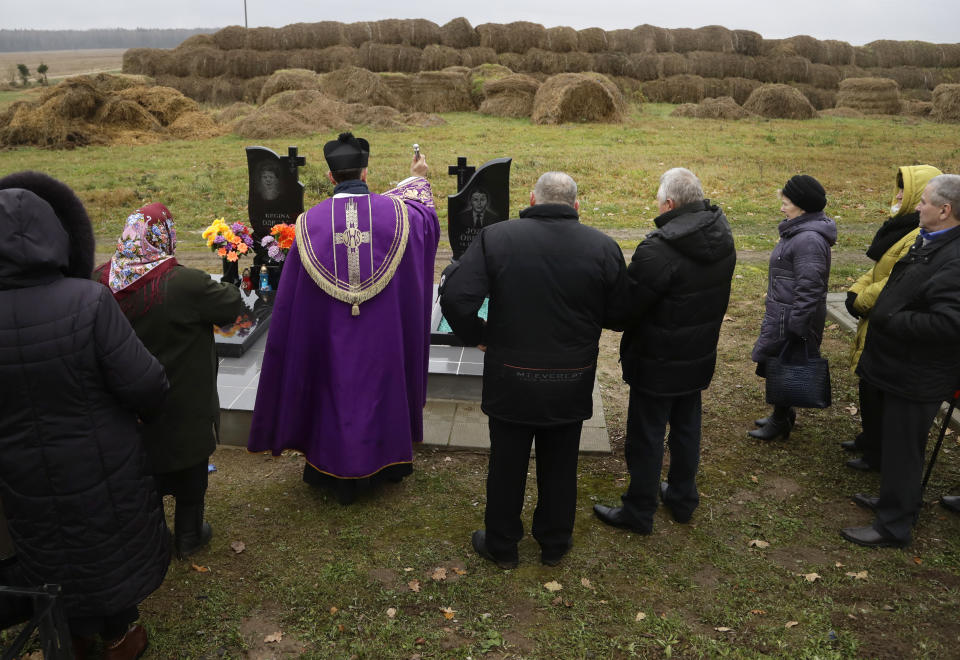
248,239
219,239
237,228
273,252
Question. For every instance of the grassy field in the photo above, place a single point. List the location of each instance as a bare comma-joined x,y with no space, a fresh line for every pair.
362,581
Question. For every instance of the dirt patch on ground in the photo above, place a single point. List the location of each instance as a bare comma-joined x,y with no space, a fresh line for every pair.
264,625
387,577
804,559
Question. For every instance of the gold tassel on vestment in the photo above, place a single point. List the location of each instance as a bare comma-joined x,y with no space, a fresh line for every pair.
355,311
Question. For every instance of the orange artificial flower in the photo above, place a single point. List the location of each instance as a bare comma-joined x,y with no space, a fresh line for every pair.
232,256
222,252
242,248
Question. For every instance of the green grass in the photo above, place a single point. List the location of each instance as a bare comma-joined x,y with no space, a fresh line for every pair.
306,555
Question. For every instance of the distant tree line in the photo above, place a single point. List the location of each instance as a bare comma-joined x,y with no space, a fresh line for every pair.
31,40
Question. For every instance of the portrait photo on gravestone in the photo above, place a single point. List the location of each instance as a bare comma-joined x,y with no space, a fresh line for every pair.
482,199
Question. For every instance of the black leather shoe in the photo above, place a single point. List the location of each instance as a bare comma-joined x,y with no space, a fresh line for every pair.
862,465
613,516
678,516
951,502
791,415
866,501
552,559
871,538
774,430
479,541
849,445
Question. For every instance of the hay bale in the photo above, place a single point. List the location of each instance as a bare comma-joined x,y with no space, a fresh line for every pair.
672,64
720,65
783,69
458,33
909,77
578,97
715,87
359,33
475,56
194,126
243,63
298,112
577,62
306,58
337,57
323,35
33,126
203,62
377,116
440,91
654,39
493,36
631,88
436,57
107,83
713,38
513,61
779,102
544,61
747,42
723,107
399,85
417,32
614,64
287,79
233,112
907,53
592,40
824,76
946,103
126,114
74,98
872,96
951,55
626,41
835,53
197,41
230,37
843,113
390,57
516,37
561,39
252,88
800,45
146,61
646,66
864,57
820,99
915,108
164,103
675,89
263,38
916,95
741,88
479,76
510,96
355,85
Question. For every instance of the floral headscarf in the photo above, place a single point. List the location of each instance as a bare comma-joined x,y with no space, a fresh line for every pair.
147,242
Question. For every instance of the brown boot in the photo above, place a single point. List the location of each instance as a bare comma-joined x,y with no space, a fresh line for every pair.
81,646
129,647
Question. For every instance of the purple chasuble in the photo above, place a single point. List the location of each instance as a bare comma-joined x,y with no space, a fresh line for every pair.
344,374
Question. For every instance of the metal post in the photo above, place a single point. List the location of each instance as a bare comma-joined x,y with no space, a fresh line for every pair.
245,13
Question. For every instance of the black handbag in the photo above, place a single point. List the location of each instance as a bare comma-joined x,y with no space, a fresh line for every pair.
795,379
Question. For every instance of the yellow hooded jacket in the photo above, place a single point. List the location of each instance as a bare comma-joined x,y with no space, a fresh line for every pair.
868,287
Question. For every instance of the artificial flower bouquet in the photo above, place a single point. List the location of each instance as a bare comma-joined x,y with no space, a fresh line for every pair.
279,241
229,241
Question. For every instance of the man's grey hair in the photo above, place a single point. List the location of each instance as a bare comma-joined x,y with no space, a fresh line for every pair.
681,185
555,188
945,189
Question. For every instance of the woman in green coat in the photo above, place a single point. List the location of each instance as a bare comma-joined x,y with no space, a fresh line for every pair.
173,309
892,241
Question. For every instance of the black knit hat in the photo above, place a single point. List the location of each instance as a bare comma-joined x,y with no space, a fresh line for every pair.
346,153
805,192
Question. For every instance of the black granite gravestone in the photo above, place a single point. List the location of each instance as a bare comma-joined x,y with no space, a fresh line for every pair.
480,201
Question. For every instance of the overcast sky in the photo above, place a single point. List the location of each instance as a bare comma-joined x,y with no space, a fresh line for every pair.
855,21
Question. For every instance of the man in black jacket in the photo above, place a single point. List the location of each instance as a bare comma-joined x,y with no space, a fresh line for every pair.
911,361
553,284
680,275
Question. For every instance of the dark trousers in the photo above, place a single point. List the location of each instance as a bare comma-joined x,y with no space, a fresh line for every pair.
647,420
904,426
188,486
871,414
109,628
558,449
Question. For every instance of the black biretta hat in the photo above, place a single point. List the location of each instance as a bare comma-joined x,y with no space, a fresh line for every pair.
346,153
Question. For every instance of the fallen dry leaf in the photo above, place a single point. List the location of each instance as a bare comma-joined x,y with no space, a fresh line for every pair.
419,641
553,585
439,573
887,608
723,629
640,616
275,637
556,601
811,577
391,612
586,582
414,585
447,613
459,571
757,543
238,546
727,317
407,569
200,569
852,409
758,612
832,326
754,479
862,575
838,565
791,624
917,560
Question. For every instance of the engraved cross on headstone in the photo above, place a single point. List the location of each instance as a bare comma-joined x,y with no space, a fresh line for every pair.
293,160
353,238
462,171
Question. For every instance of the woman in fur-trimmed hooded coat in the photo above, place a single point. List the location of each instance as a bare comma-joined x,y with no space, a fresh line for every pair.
81,509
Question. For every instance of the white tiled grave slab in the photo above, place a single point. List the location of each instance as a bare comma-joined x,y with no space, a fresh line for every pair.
452,417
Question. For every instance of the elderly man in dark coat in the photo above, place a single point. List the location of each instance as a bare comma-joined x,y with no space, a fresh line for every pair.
911,361
681,276
74,378
553,284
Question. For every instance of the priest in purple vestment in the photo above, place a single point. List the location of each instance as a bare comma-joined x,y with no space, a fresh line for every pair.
344,375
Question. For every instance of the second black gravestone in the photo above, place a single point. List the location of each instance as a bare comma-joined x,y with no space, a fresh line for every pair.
482,200
276,194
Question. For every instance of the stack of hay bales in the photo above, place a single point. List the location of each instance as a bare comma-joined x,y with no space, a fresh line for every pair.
779,102
946,103
675,89
357,85
294,112
911,108
723,107
578,97
871,96
285,80
440,91
105,110
510,96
